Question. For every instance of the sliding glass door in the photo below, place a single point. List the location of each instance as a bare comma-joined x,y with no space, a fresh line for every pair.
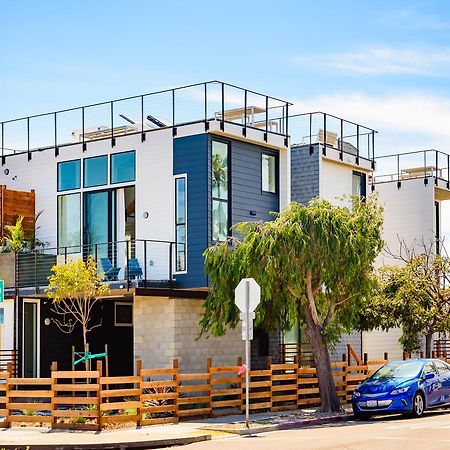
99,223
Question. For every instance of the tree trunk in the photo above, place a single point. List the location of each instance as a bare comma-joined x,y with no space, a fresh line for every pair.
428,344
329,401
86,361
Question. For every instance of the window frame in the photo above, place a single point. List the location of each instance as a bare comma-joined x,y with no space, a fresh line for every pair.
185,224
84,171
362,186
264,152
229,189
111,167
58,177
123,324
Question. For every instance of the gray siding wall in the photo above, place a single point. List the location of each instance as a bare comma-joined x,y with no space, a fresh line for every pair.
304,173
190,156
246,184
341,347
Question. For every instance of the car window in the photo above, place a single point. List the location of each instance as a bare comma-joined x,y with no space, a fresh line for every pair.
441,367
429,368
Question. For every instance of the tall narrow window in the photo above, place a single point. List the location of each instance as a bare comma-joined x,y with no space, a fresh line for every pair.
69,223
268,173
69,175
123,167
95,171
219,176
180,223
359,184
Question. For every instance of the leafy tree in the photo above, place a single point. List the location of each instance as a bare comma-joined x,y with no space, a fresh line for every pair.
415,297
314,265
75,288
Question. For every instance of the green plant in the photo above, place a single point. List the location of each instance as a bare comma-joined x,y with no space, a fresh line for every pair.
80,420
29,412
157,402
15,237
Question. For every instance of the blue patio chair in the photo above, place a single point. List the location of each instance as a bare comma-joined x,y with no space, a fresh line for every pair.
111,272
134,269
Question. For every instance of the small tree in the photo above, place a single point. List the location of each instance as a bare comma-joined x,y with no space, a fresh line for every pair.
15,236
75,288
314,265
415,297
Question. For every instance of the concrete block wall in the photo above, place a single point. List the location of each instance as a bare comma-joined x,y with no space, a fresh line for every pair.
167,328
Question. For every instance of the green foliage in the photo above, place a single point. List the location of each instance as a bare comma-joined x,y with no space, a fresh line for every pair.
15,236
412,297
333,247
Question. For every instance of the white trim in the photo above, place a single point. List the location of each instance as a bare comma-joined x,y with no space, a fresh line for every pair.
123,324
38,335
178,176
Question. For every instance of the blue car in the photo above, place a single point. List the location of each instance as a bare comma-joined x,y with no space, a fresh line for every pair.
403,387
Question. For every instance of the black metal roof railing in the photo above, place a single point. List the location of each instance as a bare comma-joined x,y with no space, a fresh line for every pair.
423,164
332,132
140,114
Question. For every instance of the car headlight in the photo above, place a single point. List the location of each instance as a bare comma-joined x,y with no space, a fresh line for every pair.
400,391
356,394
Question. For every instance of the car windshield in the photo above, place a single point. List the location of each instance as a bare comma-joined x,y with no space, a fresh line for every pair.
398,370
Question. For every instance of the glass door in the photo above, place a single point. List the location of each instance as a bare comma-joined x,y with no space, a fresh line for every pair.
30,340
99,224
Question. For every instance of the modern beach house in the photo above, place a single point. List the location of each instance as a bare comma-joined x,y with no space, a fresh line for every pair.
143,185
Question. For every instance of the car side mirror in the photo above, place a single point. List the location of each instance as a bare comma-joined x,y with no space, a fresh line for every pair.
429,376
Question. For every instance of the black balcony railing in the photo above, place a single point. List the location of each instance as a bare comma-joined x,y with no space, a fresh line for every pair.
140,262
425,164
172,108
333,132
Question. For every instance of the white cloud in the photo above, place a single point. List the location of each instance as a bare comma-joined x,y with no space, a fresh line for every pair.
385,60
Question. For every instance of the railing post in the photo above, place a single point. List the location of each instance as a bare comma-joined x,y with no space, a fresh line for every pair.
142,119
267,119
145,262
28,139
174,128
36,288
206,106
82,129
171,262
373,150
448,171
113,139
357,144
310,135
222,122
425,180
286,138
324,150
399,183
96,252
56,136
437,168
341,142
244,130
127,267
3,144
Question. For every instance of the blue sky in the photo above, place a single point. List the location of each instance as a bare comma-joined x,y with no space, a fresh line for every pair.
385,64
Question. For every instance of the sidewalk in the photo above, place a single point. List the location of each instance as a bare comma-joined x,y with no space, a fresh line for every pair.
157,436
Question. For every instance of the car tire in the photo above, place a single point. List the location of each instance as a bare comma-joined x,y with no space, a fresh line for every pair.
418,404
362,416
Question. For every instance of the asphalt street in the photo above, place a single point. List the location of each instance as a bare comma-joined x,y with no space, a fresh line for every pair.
429,432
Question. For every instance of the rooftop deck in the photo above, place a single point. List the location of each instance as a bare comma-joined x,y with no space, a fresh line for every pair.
172,108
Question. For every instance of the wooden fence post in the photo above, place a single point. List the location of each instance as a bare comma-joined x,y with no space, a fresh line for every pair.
208,370
54,389
9,369
99,397
345,364
269,363
176,378
365,361
139,385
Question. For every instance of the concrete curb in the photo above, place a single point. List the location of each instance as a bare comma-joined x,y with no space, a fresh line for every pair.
305,423
137,445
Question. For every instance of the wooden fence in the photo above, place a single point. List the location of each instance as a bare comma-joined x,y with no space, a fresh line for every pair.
89,400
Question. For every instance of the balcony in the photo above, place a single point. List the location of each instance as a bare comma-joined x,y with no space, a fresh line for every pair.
124,265
213,103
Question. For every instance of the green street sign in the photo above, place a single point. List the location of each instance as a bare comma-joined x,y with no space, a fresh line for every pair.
2,291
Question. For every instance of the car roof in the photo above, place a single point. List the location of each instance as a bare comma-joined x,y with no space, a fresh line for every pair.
422,360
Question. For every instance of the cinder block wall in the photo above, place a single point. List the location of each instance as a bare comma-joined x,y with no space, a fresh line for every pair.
167,328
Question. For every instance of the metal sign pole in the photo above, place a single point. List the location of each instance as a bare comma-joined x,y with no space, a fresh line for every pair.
247,356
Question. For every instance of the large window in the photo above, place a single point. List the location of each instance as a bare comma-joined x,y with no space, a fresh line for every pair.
95,171
69,175
220,185
180,223
69,223
268,172
123,167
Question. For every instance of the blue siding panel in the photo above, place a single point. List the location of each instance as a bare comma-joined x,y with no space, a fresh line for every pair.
190,156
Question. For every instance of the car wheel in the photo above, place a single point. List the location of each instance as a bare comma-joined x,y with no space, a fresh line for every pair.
362,416
418,405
